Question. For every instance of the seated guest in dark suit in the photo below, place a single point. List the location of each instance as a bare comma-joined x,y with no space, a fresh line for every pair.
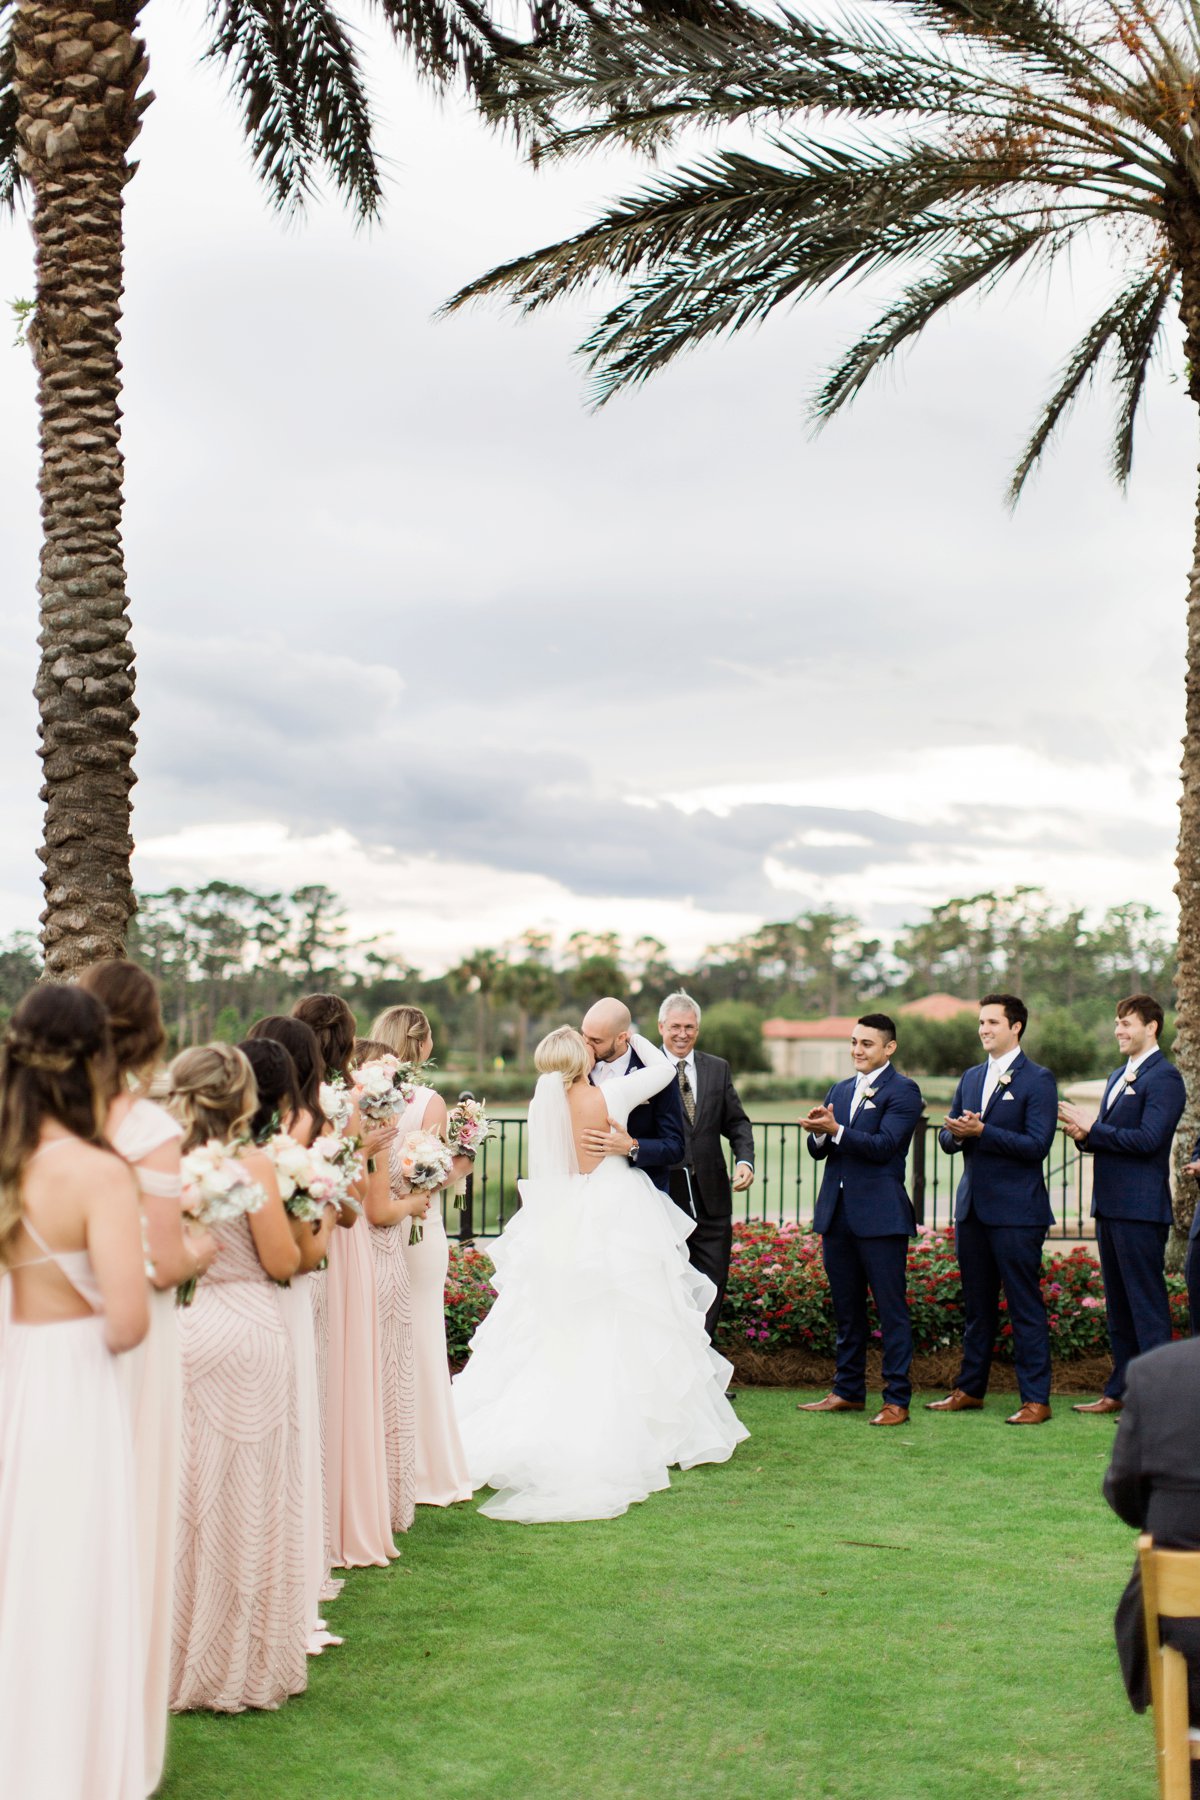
653,1139
711,1111
1003,1119
865,1217
1153,1483
1130,1143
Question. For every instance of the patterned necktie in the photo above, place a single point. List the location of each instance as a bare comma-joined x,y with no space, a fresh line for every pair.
685,1092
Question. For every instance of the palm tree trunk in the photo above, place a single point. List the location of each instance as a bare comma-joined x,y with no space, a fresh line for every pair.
78,71
1185,240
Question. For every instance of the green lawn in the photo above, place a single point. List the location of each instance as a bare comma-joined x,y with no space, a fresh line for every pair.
838,1614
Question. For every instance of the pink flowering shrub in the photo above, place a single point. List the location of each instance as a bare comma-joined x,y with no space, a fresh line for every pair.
778,1296
469,1296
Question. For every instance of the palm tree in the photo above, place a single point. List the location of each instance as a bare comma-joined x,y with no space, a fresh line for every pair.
72,96
972,139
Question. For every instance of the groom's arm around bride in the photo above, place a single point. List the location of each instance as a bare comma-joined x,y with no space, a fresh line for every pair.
653,1140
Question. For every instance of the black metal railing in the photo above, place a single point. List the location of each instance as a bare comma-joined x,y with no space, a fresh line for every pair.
786,1183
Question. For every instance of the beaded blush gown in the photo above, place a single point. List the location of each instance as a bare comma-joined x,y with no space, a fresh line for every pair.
441,1474
592,1375
71,1663
154,1385
241,1621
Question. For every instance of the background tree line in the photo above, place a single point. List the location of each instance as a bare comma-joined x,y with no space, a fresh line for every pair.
224,954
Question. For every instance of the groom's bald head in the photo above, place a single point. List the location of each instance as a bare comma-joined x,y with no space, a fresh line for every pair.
606,1027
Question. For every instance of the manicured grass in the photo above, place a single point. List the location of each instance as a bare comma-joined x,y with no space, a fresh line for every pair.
838,1614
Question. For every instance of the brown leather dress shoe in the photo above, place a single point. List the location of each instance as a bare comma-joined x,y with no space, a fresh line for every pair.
1030,1412
891,1415
1105,1404
955,1401
831,1403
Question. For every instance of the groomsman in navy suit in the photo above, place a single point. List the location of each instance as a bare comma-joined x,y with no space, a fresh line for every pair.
1130,1143
1003,1119
865,1217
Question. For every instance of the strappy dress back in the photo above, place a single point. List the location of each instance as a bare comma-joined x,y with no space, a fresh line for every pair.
70,1642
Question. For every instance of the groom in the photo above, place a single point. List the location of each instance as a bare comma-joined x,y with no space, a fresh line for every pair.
654,1139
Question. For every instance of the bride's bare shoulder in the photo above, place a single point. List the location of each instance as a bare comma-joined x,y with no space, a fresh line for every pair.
586,1102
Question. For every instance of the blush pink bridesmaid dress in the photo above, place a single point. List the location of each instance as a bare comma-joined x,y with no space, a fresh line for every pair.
154,1385
442,1478
241,1624
356,1483
71,1662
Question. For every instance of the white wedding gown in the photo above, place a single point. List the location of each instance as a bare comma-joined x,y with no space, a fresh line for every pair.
593,1373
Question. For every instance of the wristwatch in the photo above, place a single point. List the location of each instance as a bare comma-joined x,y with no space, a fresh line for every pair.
633,1153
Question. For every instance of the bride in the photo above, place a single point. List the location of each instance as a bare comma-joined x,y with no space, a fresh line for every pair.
592,1373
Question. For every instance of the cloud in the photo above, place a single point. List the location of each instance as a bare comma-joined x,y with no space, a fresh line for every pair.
389,579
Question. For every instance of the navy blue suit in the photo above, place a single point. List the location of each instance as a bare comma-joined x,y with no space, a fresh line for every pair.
658,1128
865,1219
1001,1216
1130,1144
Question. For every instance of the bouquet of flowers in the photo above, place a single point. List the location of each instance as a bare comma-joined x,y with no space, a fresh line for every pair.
216,1188
337,1103
383,1087
424,1163
308,1183
468,1127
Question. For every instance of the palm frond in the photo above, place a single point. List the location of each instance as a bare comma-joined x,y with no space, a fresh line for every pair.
1130,323
10,174
451,40
999,251
295,71
1137,346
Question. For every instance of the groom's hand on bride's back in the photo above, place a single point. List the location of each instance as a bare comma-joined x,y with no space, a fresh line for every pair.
615,1141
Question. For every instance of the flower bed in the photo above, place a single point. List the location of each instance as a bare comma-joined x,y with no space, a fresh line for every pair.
778,1301
469,1295
778,1297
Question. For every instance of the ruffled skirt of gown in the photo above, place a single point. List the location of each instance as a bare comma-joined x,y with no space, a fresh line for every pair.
593,1373
71,1658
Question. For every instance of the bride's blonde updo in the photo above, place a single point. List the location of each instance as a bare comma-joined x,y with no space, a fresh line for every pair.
563,1052
213,1094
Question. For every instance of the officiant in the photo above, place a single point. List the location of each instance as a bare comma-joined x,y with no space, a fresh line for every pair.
712,1112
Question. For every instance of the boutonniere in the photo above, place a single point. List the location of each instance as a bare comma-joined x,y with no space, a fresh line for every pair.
868,1093
1003,1079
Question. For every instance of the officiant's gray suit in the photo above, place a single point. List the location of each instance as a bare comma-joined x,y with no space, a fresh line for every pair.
701,1183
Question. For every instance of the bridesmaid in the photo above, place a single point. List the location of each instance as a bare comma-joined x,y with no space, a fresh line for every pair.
71,1665
148,1138
441,1468
279,1109
355,1460
241,1628
299,1040
392,1291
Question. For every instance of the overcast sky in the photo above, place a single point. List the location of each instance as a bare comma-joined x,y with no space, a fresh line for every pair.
411,621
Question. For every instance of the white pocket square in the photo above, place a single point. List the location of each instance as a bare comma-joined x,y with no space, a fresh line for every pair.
868,1106
1008,1096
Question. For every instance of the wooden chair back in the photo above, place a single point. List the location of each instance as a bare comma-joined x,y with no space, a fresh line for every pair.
1170,1590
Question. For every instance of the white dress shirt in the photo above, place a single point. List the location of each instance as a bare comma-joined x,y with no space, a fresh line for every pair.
609,1071
861,1083
1131,1069
996,1066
